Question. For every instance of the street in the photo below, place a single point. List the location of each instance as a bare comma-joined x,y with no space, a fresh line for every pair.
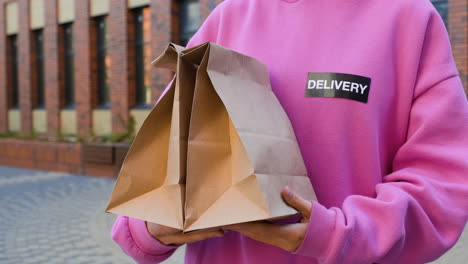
52,217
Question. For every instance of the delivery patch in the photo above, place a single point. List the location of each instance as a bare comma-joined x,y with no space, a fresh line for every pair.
340,85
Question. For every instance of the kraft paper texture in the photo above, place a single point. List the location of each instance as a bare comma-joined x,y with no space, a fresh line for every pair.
217,148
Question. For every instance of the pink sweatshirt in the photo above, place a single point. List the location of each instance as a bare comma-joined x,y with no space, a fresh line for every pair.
391,174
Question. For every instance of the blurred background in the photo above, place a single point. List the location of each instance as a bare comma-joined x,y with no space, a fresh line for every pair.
76,83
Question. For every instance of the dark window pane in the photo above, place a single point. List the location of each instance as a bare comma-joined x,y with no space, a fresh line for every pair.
442,8
68,71
139,67
12,68
102,62
189,19
38,45
142,60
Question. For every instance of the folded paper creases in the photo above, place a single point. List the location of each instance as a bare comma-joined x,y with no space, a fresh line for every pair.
216,150
150,185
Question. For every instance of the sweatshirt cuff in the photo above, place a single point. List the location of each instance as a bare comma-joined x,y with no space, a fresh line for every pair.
144,240
319,232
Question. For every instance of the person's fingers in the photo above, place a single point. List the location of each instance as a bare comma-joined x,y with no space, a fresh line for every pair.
157,230
302,205
260,230
287,237
192,237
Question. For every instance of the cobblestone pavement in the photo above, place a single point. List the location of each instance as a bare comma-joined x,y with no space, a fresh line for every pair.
50,217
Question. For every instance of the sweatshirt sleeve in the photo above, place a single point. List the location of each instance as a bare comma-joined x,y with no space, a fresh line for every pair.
132,234
134,239
421,207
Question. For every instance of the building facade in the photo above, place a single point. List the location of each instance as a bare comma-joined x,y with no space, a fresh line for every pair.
80,70
78,67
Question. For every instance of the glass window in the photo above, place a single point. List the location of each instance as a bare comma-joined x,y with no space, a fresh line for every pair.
189,19
142,55
68,67
38,44
102,62
442,7
12,71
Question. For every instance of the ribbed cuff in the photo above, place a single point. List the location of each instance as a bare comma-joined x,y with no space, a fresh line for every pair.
144,240
319,232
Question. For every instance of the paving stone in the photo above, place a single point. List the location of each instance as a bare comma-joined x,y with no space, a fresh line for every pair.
48,217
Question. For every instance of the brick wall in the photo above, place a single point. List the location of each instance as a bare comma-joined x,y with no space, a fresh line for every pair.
75,158
55,156
118,52
24,68
82,65
51,69
162,31
458,30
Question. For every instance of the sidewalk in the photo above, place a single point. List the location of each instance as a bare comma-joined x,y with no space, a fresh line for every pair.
49,217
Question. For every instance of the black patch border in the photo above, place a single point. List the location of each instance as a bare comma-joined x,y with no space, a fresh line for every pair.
329,76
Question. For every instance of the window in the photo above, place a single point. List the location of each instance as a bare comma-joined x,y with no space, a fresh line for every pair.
102,62
38,55
189,19
142,39
67,62
442,7
12,71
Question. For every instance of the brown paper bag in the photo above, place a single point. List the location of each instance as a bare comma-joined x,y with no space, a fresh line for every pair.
151,181
241,147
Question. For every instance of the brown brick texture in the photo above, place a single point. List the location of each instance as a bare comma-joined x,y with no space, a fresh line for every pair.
118,53
24,68
458,31
82,65
161,29
64,157
51,69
